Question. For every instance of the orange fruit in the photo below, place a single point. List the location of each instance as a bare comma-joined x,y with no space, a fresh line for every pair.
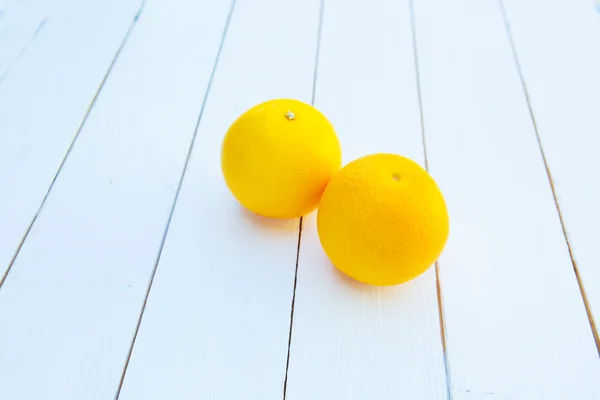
382,220
278,157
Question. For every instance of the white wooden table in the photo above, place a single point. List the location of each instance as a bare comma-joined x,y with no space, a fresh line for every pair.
128,271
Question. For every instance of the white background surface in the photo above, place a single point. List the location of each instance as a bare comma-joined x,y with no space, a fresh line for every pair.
128,271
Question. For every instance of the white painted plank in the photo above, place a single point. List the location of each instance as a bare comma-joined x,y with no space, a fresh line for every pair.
560,61
349,340
217,320
70,304
516,327
20,23
43,101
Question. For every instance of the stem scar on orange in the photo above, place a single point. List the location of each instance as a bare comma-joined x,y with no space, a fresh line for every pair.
278,157
382,220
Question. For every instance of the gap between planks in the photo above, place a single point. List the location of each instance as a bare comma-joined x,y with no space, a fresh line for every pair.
23,50
438,287
182,177
549,175
72,145
312,102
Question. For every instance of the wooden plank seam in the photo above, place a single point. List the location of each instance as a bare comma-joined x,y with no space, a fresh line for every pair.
168,224
550,181
72,145
312,102
438,287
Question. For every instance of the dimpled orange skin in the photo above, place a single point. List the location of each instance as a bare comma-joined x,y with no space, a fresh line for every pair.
277,164
382,220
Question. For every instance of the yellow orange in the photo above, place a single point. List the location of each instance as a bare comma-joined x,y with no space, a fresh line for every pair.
382,220
278,157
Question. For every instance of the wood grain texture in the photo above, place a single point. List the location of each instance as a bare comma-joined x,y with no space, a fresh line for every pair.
349,340
560,63
516,327
70,304
217,321
43,101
